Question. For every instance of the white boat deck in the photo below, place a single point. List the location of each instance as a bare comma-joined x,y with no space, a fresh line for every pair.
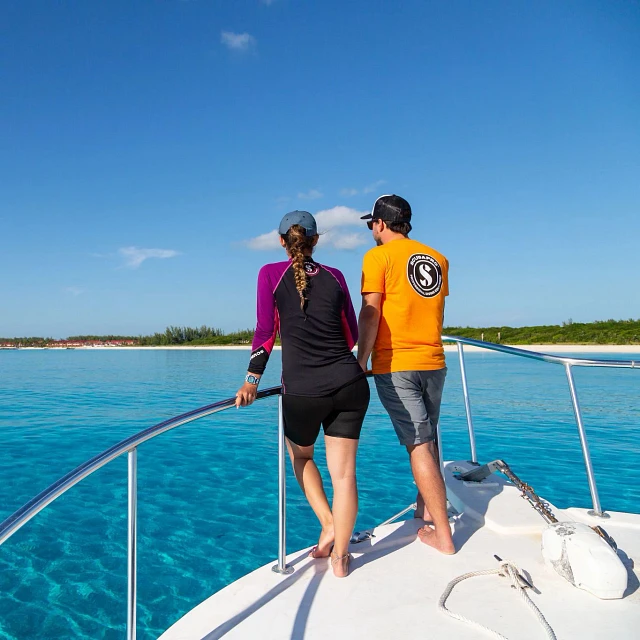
396,582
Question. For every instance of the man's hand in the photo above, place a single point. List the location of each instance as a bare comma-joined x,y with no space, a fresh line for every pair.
246,394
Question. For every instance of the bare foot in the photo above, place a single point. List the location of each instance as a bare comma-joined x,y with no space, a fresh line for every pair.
340,565
325,544
421,512
442,544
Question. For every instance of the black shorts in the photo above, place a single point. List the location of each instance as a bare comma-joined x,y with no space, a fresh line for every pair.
341,414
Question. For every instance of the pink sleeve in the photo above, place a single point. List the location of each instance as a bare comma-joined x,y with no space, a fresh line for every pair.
267,325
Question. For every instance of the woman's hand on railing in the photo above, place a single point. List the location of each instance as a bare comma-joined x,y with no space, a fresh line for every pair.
246,394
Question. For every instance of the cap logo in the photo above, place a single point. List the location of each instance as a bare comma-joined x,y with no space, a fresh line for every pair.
424,274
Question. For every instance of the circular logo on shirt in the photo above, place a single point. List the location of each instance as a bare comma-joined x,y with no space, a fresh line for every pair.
311,268
425,275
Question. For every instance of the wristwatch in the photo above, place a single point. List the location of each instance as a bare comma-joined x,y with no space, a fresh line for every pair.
251,379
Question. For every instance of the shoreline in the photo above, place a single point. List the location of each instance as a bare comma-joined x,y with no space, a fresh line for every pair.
543,348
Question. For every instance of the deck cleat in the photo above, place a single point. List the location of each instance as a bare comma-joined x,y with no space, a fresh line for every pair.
361,536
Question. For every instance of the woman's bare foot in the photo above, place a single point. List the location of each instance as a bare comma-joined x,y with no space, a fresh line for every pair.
444,544
340,565
325,544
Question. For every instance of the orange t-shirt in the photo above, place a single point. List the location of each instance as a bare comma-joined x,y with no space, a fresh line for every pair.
413,280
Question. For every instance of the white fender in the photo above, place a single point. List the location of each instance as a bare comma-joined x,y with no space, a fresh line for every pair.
583,558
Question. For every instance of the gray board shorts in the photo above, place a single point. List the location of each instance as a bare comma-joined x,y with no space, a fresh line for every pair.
412,400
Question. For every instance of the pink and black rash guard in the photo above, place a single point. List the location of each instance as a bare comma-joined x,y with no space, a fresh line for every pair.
317,342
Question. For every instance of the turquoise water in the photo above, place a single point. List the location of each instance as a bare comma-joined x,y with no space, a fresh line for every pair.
208,490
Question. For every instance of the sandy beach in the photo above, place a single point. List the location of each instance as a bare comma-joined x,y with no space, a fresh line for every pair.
544,348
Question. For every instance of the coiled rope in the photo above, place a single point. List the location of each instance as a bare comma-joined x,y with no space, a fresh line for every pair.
505,569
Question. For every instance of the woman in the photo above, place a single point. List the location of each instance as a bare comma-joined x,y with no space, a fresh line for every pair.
323,384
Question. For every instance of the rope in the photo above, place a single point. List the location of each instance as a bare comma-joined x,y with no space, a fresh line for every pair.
506,569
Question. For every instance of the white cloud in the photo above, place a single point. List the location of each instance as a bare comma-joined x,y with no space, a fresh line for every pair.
373,187
267,2
370,188
134,256
265,242
329,221
339,216
74,291
312,194
342,241
237,41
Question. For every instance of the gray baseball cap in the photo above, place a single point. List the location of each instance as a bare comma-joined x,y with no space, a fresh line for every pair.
303,218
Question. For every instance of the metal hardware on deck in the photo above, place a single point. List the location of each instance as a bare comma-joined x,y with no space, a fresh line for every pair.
362,536
132,550
282,567
467,404
524,583
606,537
518,582
527,491
597,509
480,473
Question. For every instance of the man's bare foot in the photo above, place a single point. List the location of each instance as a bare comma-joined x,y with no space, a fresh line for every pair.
325,544
421,512
340,565
444,544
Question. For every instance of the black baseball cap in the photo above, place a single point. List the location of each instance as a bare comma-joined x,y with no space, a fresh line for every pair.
390,208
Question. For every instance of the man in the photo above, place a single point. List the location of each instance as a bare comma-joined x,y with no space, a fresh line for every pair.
404,284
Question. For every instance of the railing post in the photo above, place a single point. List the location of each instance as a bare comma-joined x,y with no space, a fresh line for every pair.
282,567
132,459
439,443
597,509
467,404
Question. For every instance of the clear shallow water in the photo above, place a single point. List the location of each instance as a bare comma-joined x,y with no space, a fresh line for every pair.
208,490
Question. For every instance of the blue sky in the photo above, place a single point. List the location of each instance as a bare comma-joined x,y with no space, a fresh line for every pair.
147,145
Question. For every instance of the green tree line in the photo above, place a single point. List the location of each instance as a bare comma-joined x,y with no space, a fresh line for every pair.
197,336
598,332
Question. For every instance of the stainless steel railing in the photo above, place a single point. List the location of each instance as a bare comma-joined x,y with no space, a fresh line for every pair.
567,363
130,445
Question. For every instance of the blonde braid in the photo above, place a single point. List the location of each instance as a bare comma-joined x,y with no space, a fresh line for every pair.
297,241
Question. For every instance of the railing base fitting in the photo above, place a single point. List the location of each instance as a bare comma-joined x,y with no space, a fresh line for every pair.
285,572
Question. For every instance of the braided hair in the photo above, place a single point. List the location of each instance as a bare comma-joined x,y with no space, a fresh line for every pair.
298,244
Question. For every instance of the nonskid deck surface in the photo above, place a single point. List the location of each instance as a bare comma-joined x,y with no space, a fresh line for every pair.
396,582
